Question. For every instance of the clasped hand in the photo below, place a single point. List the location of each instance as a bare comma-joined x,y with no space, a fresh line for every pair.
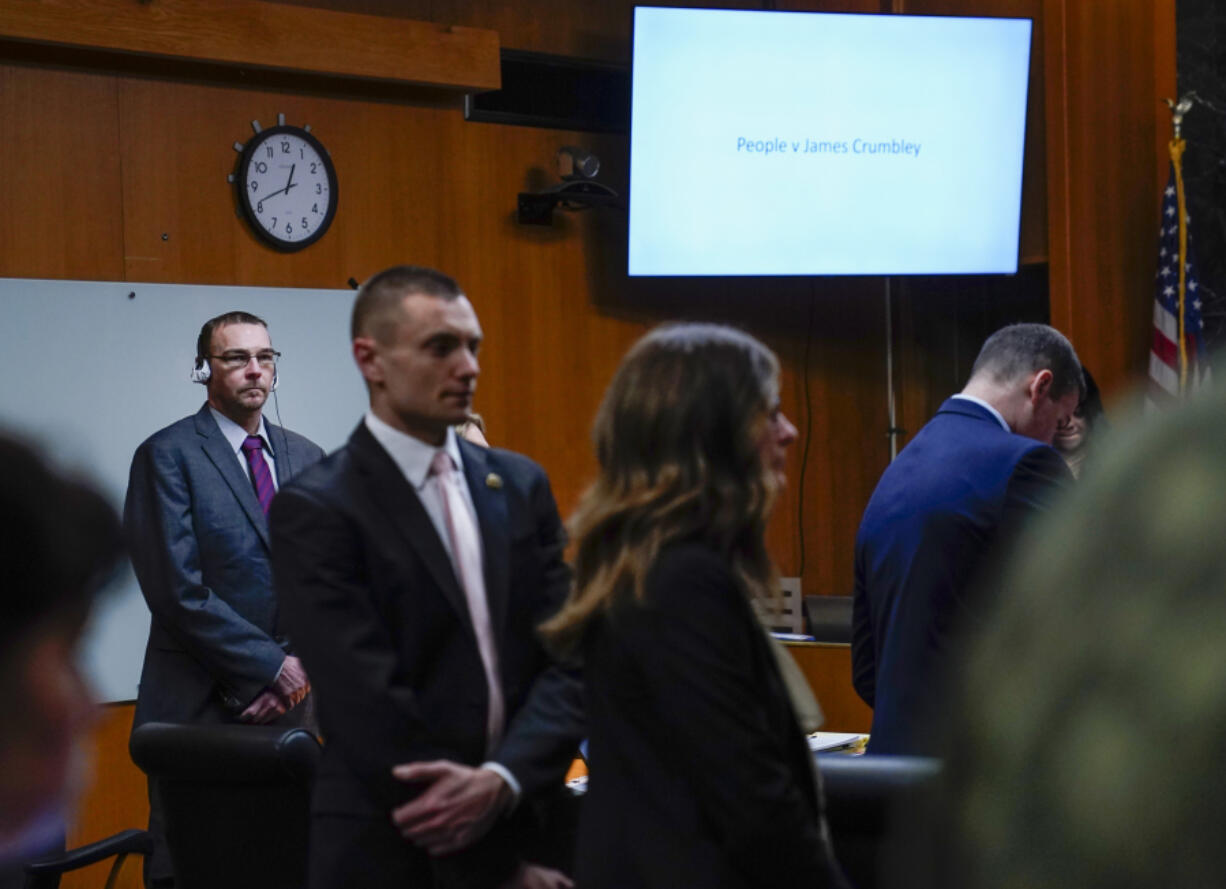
288,690
457,807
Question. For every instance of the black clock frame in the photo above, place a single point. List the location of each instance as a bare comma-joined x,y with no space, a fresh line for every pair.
244,199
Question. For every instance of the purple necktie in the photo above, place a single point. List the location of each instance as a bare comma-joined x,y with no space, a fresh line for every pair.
253,449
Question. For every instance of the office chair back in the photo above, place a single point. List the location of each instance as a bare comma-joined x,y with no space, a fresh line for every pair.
829,618
236,801
868,801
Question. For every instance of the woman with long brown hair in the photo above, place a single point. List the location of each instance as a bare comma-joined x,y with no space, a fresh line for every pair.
700,774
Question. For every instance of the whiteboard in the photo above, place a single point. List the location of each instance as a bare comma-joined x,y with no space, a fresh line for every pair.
89,370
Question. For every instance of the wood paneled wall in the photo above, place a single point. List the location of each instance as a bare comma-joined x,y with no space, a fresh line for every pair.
1107,163
121,175
117,171
115,800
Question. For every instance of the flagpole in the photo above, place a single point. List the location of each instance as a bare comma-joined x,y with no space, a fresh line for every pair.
1177,146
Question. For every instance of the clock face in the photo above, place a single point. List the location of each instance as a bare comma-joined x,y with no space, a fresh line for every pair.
287,187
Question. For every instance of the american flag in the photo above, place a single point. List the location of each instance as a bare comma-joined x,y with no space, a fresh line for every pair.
1164,357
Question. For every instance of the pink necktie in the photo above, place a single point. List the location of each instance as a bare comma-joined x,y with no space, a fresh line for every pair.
261,477
466,555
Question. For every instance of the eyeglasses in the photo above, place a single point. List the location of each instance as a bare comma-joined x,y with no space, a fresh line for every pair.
237,360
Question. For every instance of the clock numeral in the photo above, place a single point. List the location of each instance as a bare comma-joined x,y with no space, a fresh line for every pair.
303,215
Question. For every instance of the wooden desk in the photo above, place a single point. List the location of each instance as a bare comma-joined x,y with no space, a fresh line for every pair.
827,666
115,799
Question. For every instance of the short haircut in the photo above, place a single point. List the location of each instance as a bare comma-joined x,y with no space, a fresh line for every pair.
376,311
59,542
1021,349
204,342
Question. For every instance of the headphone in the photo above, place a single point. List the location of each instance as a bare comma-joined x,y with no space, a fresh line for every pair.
202,372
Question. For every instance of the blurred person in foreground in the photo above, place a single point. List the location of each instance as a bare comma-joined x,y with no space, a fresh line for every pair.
59,543
1076,436
1088,747
700,774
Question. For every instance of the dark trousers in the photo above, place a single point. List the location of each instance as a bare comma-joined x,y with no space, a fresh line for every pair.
368,852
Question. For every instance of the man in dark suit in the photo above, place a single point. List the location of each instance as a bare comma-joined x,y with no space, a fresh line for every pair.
195,518
939,518
413,568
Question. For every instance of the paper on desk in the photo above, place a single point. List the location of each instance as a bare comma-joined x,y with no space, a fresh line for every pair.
825,742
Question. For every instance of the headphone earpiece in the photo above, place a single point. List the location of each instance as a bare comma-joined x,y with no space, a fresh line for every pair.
201,371
275,380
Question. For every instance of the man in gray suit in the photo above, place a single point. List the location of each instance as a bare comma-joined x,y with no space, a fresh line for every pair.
195,517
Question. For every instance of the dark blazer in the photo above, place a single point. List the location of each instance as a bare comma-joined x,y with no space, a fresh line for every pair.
940,519
380,621
699,773
200,548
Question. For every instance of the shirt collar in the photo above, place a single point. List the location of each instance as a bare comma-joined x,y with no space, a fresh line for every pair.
410,454
236,434
987,407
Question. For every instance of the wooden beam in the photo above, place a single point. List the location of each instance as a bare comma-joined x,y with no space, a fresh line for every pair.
1165,87
1061,287
250,33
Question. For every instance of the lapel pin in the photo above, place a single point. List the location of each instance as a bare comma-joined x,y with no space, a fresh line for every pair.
493,480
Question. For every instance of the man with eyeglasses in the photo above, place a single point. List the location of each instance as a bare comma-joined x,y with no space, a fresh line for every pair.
196,519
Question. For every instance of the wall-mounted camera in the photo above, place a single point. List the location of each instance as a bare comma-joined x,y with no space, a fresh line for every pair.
578,189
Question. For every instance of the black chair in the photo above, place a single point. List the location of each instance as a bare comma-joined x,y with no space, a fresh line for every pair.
235,800
45,872
868,800
829,618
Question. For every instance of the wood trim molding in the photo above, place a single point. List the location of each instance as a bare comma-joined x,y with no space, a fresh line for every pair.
1165,87
1059,248
271,36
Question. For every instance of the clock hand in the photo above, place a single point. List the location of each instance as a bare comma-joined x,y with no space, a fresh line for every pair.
289,183
271,193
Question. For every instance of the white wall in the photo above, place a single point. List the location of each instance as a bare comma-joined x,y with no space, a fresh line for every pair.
90,369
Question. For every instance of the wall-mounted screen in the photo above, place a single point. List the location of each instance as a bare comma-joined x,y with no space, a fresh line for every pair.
781,143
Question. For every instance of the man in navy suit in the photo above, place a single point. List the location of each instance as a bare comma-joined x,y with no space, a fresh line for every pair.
940,517
195,518
413,569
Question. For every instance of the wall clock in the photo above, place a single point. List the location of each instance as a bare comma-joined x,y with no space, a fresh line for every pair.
286,185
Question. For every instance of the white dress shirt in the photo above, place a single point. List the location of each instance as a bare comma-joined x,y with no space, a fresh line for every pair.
412,457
